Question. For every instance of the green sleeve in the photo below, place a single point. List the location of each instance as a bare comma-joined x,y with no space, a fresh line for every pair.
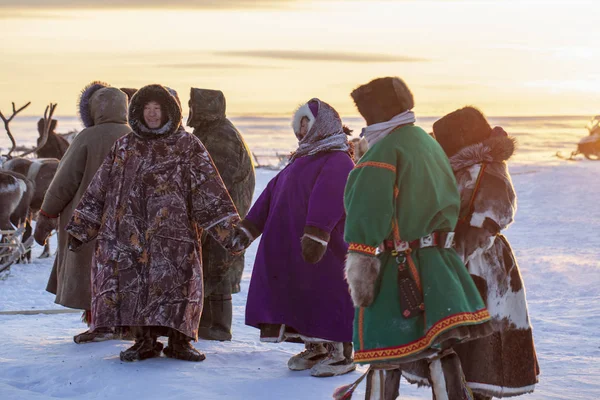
369,199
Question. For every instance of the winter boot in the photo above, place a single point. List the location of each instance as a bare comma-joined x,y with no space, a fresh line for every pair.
383,384
447,378
339,360
313,353
221,314
146,346
98,335
179,347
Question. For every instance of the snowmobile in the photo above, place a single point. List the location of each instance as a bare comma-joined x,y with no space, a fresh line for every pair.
589,146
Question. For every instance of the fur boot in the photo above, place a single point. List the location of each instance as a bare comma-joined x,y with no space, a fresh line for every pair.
181,348
447,377
383,384
338,361
146,346
313,353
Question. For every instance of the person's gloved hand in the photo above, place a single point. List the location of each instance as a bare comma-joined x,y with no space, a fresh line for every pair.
44,225
362,272
74,244
314,244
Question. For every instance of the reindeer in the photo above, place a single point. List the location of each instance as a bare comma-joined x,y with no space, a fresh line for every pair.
40,171
16,192
56,145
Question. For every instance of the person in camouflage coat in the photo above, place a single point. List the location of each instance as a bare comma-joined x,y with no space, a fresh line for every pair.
222,270
147,206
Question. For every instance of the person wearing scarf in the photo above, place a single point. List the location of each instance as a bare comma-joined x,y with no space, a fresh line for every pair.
414,297
503,364
297,291
146,207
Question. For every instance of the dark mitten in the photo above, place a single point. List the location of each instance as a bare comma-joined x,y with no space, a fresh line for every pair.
74,244
312,250
314,244
44,225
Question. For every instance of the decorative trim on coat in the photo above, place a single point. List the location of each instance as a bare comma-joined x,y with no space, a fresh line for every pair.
444,325
375,164
362,248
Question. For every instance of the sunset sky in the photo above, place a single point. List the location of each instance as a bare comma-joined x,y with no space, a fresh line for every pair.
506,57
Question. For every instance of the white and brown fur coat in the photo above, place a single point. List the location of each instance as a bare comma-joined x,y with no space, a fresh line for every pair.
505,363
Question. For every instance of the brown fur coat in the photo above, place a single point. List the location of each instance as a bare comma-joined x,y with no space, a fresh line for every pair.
503,364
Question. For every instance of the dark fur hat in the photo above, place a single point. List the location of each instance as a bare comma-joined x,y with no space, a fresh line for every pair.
83,105
382,99
169,105
460,129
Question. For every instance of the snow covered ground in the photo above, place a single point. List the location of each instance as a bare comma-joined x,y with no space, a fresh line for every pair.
556,237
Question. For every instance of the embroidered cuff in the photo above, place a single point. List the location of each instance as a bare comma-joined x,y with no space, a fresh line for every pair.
362,248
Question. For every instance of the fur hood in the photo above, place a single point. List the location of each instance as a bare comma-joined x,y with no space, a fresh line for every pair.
84,102
169,103
495,149
206,106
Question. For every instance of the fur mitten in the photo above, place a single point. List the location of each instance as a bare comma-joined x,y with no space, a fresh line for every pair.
74,244
471,241
362,272
44,225
242,238
314,244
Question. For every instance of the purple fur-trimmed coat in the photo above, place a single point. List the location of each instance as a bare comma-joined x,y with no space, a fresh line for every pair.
313,299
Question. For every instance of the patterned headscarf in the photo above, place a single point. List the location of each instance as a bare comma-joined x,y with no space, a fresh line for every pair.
325,130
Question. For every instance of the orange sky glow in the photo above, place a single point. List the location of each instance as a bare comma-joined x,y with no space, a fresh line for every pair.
506,57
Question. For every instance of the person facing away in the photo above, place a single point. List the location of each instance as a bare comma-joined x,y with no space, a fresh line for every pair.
222,270
503,364
103,112
297,290
147,206
414,297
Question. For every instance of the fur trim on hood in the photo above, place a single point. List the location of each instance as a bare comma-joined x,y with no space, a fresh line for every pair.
84,102
301,112
206,106
495,149
169,105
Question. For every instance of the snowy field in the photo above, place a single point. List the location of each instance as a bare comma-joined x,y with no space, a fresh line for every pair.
556,237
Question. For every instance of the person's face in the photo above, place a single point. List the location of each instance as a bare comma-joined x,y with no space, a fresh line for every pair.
303,127
153,115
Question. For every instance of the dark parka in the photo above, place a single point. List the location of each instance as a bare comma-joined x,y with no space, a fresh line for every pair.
233,160
103,111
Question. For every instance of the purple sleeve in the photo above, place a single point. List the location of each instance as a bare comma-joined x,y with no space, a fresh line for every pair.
259,212
326,203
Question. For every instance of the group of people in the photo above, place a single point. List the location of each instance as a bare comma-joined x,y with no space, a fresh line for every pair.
396,262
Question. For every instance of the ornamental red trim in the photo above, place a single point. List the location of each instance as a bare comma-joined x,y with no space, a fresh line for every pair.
362,248
452,321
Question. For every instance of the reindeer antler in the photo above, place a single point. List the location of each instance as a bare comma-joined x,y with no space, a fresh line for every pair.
7,121
46,130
